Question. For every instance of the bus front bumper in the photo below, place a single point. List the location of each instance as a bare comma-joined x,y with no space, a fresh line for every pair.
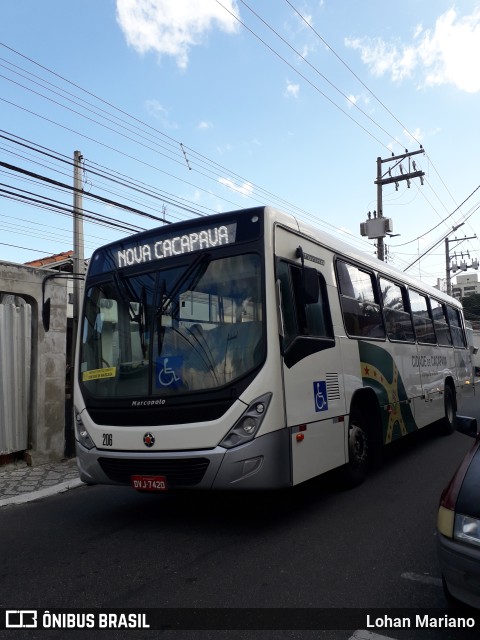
263,463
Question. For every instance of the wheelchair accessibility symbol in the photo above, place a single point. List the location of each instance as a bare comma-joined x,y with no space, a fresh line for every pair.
320,395
167,372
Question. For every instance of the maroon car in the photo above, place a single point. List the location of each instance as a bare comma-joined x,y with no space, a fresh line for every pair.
458,526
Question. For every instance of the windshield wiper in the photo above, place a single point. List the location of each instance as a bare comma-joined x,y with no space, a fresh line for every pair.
158,317
125,289
191,275
140,318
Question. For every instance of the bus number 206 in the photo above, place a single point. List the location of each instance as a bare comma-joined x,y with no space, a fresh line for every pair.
107,440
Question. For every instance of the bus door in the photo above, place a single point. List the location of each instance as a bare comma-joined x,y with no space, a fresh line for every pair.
313,381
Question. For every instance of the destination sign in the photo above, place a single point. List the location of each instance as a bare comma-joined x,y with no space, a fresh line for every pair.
176,245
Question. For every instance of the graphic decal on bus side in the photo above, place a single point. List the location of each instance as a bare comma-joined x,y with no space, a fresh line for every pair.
320,395
379,371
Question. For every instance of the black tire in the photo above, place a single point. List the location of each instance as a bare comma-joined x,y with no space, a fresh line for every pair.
357,467
448,422
451,600
446,592
459,606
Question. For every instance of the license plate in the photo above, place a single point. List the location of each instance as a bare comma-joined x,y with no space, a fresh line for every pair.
149,483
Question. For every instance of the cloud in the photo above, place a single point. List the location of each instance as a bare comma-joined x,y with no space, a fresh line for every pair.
356,100
157,111
415,136
244,189
292,90
205,125
447,54
172,27
227,148
352,100
383,57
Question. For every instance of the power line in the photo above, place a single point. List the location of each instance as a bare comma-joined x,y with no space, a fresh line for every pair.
309,25
202,158
147,190
90,195
443,221
104,173
333,85
56,205
15,246
303,58
314,86
203,162
145,125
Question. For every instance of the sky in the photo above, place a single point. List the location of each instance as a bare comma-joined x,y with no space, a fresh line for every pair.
182,108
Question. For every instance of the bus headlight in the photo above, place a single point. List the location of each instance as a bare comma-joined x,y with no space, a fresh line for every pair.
81,433
247,426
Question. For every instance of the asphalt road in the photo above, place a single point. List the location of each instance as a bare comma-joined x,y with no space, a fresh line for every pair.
311,547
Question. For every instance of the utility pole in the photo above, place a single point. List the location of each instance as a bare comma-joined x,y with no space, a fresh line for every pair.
383,226
78,244
378,182
462,267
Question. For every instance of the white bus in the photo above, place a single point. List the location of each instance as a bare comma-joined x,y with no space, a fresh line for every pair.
247,350
472,339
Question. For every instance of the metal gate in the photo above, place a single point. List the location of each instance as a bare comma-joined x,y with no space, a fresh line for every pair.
15,369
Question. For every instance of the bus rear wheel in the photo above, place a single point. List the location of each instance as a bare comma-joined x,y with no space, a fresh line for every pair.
356,469
448,423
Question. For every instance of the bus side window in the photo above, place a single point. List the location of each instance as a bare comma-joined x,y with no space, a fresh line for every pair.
456,327
421,318
359,302
395,309
440,320
311,319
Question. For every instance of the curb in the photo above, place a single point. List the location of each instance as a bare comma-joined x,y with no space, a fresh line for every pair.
42,493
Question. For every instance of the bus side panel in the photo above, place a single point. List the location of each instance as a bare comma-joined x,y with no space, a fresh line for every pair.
314,404
382,372
463,367
435,366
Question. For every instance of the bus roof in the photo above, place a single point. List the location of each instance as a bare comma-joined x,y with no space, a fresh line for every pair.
308,231
346,250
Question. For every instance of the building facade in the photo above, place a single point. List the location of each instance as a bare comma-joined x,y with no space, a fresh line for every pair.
466,285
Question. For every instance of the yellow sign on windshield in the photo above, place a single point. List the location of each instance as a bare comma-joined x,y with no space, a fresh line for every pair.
98,374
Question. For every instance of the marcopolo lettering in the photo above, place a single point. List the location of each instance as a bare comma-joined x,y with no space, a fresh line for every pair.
177,245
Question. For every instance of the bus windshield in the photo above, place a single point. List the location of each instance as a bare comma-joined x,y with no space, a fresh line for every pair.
175,330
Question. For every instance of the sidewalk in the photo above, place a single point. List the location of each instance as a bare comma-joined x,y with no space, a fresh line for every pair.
20,483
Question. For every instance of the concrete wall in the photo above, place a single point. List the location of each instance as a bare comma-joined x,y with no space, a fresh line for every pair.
47,398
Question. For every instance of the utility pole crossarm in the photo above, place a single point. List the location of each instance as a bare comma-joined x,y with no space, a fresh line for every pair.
407,154
404,176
